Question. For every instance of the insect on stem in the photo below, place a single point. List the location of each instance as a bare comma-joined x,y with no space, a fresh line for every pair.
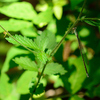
80,46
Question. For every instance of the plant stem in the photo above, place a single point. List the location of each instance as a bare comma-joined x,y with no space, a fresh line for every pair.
58,45
16,40
91,19
40,76
77,20
82,9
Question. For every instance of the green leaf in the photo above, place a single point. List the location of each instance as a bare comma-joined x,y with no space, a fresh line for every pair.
77,77
10,55
8,0
40,89
42,41
54,68
52,26
32,85
46,40
13,96
41,20
30,32
58,11
26,63
14,25
94,73
74,3
60,2
23,40
41,56
57,81
93,23
97,91
21,10
76,97
24,81
5,86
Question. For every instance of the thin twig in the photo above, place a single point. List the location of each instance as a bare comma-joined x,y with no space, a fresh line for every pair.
91,19
58,45
16,40
82,9
77,20
40,76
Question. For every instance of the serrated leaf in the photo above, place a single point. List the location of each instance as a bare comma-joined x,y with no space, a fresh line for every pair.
26,63
58,11
93,23
24,81
10,55
41,20
41,41
23,40
46,40
54,68
41,56
5,86
14,25
22,10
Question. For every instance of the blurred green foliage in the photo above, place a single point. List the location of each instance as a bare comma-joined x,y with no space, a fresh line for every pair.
45,22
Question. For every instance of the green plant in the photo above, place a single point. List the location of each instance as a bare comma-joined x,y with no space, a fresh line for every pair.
42,49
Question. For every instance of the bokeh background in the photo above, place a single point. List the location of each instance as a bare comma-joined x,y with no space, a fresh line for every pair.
74,85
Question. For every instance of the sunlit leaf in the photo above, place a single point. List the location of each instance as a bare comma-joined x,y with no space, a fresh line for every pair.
41,56
60,2
30,32
24,81
14,25
22,10
26,63
43,18
10,55
52,26
58,11
54,68
23,40
46,40
5,86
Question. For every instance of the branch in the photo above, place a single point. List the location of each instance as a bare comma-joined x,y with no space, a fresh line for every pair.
90,19
16,40
77,20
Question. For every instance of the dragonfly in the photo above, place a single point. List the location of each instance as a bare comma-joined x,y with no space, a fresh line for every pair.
84,57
